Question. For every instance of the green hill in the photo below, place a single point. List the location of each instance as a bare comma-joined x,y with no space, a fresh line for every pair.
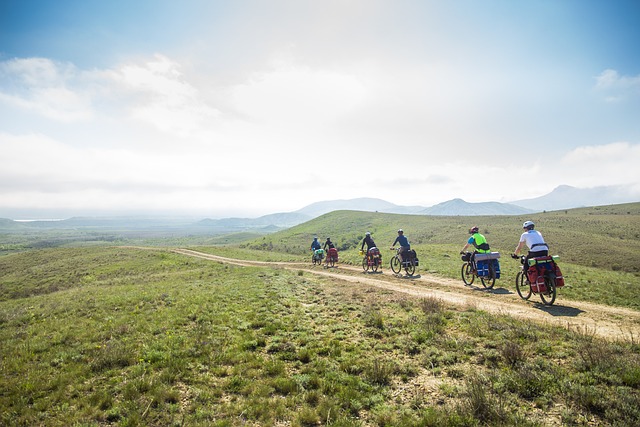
606,237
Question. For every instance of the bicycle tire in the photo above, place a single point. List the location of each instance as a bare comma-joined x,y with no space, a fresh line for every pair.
467,274
395,265
490,280
549,297
365,264
410,269
522,286
376,264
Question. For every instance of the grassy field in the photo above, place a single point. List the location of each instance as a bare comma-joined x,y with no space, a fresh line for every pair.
120,336
96,335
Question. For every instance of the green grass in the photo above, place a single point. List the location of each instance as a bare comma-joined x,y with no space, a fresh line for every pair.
113,336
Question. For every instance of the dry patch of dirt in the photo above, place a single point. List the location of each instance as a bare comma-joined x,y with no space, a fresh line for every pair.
609,322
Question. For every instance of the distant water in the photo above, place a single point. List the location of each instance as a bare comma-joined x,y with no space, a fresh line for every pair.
34,220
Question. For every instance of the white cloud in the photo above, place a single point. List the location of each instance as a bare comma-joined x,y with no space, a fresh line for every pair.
617,87
163,98
298,96
45,87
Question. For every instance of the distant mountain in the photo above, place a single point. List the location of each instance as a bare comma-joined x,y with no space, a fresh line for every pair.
277,220
458,207
361,204
567,197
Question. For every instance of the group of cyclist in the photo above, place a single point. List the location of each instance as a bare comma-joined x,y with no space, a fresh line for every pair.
530,237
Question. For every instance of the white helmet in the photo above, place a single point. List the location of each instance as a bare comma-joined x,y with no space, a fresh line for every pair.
367,234
528,225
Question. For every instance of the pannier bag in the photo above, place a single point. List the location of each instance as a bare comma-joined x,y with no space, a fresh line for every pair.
482,268
333,254
540,266
410,256
374,251
536,279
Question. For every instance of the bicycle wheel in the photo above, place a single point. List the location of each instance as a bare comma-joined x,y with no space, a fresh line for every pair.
365,264
490,280
467,273
410,269
549,296
332,262
395,264
522,286
376,263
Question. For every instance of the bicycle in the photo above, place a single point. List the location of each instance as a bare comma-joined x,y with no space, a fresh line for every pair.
318,256
408,263
541,277
372,260
487,273
332,258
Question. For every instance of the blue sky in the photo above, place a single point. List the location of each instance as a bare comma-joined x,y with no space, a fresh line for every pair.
220,108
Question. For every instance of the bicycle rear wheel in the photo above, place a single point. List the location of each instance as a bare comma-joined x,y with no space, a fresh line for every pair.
522,285
467,273
490,280
395,264
410,269
549,297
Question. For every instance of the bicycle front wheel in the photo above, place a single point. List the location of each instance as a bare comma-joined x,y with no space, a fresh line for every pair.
467,274
395,264
549,296
522,286
365,264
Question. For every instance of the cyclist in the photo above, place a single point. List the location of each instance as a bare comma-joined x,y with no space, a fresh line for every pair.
328,244
534,240
478,241
315,244
368,240
403,242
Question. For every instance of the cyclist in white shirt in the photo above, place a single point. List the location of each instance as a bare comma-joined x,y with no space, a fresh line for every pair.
534,240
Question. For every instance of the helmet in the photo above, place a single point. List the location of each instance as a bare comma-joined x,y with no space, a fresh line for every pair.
367,234
528,225
400,231
473,229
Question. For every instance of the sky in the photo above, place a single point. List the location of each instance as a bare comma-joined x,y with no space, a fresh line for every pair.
249,107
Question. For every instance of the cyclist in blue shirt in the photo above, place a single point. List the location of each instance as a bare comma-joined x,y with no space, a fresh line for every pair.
403,242
315,244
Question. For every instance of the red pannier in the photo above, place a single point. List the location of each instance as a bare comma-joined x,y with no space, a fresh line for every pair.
536,273
332,254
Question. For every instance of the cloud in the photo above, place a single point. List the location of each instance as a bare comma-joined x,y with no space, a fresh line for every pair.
617,87
163,98
608,164
45,87
298,95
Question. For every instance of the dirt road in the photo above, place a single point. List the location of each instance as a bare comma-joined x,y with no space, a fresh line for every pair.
613,323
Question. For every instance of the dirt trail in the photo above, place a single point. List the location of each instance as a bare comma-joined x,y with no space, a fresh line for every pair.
609,322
